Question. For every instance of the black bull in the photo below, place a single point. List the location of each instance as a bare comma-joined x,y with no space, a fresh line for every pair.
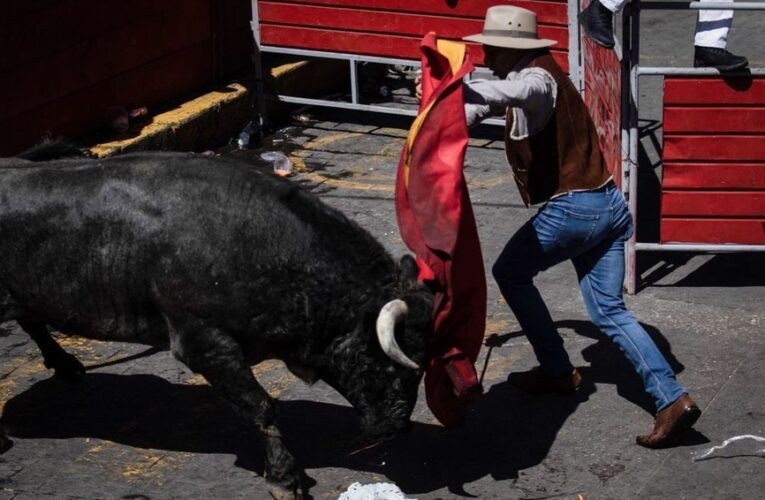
224,264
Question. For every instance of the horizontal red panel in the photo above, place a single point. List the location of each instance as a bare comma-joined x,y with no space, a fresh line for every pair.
712,119
155,83
389,23
713,176
713,203
710,148
554,11
716,231
714,91
102,57
362,43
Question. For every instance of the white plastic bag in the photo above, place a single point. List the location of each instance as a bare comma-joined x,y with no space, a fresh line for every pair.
376,491
282,164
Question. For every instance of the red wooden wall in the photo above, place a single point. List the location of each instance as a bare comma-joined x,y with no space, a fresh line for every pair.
602,94
64,63
393,28
713,183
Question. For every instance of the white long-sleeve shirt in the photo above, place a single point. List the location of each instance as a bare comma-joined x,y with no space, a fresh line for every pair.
531,92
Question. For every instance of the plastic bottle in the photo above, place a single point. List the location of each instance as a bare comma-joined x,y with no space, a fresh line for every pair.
249,135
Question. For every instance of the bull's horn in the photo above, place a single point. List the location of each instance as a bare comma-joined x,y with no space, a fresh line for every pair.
390,314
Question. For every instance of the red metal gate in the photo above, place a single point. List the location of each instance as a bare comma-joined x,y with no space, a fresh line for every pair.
389,31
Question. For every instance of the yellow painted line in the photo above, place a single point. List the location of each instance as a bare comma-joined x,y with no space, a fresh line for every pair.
298,163
497,327
395,132
343,183
493,182
391,149
319,142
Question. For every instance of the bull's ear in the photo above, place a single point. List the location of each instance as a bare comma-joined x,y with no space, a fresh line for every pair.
408,269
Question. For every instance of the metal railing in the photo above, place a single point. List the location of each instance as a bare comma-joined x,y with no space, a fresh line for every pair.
354,59
631,73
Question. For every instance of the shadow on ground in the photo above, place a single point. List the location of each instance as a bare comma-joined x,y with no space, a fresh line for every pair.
721,270
506,432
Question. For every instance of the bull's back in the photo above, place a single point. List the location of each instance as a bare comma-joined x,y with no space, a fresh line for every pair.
101,248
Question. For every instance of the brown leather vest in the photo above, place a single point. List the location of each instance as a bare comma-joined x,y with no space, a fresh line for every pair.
565,154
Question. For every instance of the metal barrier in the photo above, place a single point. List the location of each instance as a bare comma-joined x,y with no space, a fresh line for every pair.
632,71
556,15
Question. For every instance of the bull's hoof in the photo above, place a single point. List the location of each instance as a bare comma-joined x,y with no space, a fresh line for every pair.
67,368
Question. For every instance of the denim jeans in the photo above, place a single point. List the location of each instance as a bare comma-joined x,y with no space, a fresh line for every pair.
590,228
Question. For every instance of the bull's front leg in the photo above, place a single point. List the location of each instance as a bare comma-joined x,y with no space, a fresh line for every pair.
65,365
219,358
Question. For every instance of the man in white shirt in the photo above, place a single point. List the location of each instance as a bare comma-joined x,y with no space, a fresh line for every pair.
553,150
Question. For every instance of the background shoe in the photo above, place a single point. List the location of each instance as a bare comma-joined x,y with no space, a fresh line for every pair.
671,423
535,381
712,57
598,23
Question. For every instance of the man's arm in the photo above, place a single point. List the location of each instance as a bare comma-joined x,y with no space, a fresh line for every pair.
532,89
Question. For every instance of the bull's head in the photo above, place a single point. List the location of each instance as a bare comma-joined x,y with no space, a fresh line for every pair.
385,356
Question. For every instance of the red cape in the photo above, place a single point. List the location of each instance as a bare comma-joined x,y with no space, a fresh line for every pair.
436,222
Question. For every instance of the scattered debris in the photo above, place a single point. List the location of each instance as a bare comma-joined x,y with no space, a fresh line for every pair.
708,453
282,165
376,491
249,136
139,113
302,117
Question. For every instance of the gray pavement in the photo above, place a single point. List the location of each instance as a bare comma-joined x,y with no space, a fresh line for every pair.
142,426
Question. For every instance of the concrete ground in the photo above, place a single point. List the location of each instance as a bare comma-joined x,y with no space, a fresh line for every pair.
142,426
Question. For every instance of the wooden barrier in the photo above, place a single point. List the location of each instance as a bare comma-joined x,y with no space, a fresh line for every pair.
713,181
603,97
63,64
393,28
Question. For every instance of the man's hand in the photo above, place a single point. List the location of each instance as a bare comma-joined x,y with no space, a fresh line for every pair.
418,87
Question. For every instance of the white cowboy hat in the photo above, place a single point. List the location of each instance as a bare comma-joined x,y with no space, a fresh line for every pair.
510,27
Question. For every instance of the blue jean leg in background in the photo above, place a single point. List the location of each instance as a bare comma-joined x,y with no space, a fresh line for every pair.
590,229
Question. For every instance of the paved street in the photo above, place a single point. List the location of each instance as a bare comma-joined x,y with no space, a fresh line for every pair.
142,426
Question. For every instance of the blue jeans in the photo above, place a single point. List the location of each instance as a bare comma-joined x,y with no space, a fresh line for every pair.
590,228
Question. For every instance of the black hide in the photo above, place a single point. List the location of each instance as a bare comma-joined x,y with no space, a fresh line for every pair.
225,264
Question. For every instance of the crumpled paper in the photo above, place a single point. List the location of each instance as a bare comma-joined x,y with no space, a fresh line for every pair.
376,491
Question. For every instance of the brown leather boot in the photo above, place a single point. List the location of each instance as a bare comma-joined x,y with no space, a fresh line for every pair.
671,423
535,381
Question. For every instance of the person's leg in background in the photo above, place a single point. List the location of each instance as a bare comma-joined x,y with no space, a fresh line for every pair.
711,39
598,20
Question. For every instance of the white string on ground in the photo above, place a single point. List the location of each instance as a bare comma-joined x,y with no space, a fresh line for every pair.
705,454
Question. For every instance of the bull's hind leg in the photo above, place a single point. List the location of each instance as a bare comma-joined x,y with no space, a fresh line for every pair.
219,358
66,366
